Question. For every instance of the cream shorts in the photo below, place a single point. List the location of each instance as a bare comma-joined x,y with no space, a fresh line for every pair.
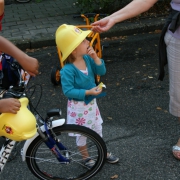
173,56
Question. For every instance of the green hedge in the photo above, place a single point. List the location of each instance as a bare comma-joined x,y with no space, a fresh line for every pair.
100,6
110,6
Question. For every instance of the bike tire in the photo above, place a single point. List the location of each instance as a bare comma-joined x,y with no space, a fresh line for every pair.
44,165
23,1
55,76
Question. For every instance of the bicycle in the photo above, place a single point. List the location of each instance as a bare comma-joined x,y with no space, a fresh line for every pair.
52,152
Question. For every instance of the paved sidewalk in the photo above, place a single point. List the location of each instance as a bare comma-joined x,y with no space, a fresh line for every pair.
33,25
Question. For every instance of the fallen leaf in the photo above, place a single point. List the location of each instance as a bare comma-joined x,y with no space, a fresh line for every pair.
110,118
157,31
159,108
30,50
114,177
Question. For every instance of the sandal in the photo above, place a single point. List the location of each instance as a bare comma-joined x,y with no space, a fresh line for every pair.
176,152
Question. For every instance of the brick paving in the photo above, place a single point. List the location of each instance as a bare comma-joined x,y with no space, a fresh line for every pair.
33,25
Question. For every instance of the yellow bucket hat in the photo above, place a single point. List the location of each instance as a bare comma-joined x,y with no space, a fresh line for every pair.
68,37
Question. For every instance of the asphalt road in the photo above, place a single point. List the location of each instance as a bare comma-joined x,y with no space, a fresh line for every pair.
137,126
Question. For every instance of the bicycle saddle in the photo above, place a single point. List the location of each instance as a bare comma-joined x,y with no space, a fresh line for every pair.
20,126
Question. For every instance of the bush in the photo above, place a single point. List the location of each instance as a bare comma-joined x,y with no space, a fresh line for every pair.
110,6
99,6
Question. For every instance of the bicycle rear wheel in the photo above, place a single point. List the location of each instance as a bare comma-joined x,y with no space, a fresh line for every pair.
44,165
23,1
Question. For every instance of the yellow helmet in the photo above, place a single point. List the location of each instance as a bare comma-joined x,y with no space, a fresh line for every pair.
20,126
68,37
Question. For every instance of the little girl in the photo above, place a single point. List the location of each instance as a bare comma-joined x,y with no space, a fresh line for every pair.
78,83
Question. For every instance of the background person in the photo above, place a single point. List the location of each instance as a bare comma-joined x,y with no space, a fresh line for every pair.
28,63
169,48
12,105
1,12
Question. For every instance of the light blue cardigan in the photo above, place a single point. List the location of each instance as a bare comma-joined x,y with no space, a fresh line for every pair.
75,83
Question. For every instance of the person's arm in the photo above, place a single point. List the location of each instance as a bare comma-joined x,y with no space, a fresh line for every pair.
1,7
28,63
133,9
1,12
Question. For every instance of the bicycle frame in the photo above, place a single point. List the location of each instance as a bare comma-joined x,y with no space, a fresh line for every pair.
9,144
55,123
50,142
46,132
5,152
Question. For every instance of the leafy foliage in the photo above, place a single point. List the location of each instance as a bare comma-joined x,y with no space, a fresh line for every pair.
110,6
99,6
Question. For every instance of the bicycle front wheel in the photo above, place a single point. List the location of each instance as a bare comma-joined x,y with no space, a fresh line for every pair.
44,165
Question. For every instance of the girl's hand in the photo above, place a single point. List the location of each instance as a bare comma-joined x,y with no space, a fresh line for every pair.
94,91
91,52
93,55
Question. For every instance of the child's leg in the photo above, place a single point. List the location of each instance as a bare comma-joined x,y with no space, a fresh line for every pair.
111,158
81,143
84,152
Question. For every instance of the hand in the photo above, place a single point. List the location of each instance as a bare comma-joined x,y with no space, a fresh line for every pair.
9,105
103,25
30,65
94,91
92,53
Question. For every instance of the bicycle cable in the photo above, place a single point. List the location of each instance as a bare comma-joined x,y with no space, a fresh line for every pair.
32,107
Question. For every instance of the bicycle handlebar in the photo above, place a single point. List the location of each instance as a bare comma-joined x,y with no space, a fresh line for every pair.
14,92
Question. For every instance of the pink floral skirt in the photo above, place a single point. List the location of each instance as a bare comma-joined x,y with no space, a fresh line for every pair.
85,115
